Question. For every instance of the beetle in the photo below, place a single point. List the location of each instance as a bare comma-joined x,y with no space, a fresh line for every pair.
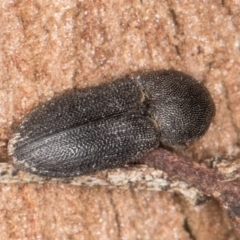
85,130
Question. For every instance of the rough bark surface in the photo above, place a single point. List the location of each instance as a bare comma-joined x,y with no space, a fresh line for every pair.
50,46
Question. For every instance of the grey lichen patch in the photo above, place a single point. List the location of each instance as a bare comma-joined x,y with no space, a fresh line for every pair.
141,177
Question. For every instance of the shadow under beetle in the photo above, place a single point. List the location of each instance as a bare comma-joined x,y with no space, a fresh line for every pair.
107,126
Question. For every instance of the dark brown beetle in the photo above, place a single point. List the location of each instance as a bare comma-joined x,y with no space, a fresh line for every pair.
110,125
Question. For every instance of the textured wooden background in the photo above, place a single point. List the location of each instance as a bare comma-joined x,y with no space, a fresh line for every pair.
49,46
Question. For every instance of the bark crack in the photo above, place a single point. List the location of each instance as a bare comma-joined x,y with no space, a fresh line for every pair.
117,217
188,229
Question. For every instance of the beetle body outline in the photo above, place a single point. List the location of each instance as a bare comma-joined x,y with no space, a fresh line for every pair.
85,130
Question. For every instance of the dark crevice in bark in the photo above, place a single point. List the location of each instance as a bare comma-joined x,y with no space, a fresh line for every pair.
188,229
117,218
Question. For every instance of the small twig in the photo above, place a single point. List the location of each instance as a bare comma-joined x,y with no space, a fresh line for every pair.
206,180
